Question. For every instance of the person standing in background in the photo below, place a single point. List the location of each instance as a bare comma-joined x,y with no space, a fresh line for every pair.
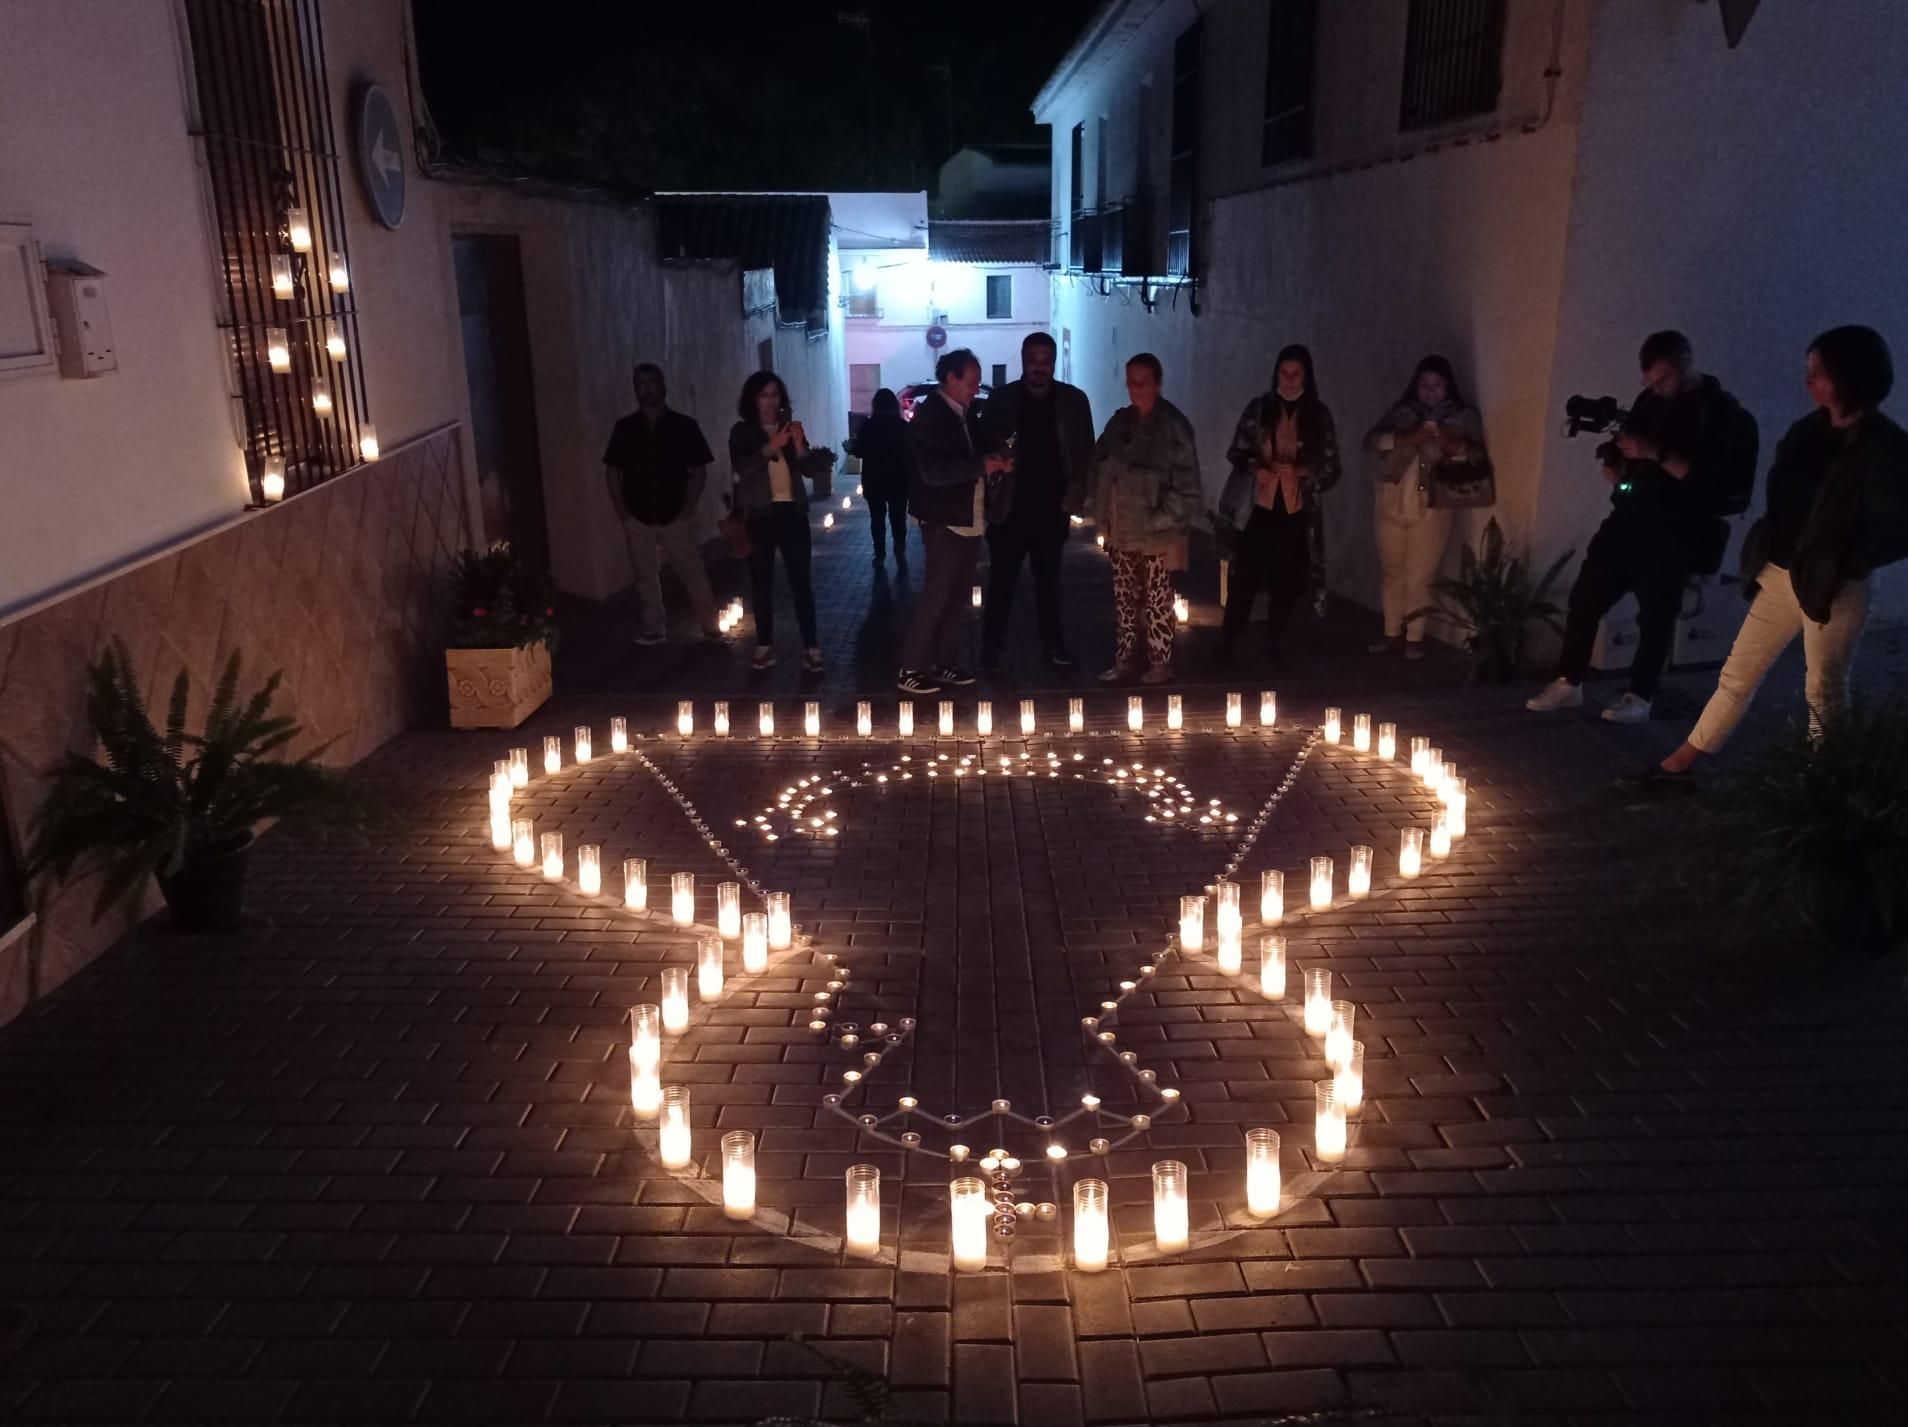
882,446
768,451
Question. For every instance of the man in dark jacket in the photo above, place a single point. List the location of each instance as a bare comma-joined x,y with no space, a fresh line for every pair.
947,491
1688,459
1048,425
655,465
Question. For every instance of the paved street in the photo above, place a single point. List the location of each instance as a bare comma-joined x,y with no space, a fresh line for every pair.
374,1160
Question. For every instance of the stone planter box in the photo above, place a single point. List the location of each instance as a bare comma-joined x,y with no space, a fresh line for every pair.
496,688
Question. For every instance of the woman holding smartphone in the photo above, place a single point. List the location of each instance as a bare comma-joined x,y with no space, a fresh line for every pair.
768,452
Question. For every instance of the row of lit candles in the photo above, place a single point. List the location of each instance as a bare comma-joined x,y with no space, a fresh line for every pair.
723,725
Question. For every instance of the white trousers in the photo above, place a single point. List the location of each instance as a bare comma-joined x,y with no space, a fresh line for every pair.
1773,621
650,546
1409,553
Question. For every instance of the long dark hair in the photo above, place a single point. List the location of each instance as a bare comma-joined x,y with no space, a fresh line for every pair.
752,388
885,403
1434,363
1858,362
1302,354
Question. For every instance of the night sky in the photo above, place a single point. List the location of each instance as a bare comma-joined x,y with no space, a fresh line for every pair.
735,93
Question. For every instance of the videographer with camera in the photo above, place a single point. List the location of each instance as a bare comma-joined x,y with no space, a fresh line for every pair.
1684,458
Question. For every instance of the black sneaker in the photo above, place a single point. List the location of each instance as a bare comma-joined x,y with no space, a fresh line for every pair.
1061,657
914,682
954,674
1655,778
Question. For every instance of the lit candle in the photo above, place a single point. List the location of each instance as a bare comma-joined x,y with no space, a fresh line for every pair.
1387,741
1338,1036
781,927
1099,542
1091,1236
864,718
1235,710
636,883
368,441
1268,708
1361,733
1358,878
281,275
1329,1136
682,898
861,1234
1447,775
828,521
278,349
709,967
968,1212
645,1059
765,719
1332,732
1226,901
719,718
298,229
1433,772
1441,836
552,754
1170,1214
984,717
685,717
1419,747
1321,883
811,719
1182,609
271,485
334,340
947,717
1318,1001
523,842
754,942
1076,715
1231,953
338,273
904,720
675,999
1411,852
673,1132
580,739
1192,923
1175,712
729,910
1262,1173
1272,967
1349,1081
975,598
500,811
589,869
1026,715
321,394
738,1174
1457,798
1271,897
1135,712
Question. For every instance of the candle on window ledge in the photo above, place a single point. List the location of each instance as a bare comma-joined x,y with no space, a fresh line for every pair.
1091,1233
523,842
781,926
321,394
298,229
861,1234
975,598
811,719
1349,1080
1268,708
1338,1036
1192,923
765,719
1235,710
1226,902
645,1059
984,717
552,753
1332,729
1321,884
281,275
1440,837
1272,967
368,441
738,1174
1175,712
334,340
719,718
278,349
1358,878
729,910
673,1131
1318,1001
709,968
1231,950
589,869
1456,802
1329,1135
754,942
685,717
968,1214
1135,712
946,717
271,484
1171,1216
682,898
1026,715
636,883
338,273
1262,1173
675,999
1387,741
581,740
1076,715
1361,733
864,718
1271,897
904,720
1419,747
1411,852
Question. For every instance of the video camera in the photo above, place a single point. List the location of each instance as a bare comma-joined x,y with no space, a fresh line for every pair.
1597,414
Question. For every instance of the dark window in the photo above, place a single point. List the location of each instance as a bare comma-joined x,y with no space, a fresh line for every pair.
264,114
1000,375
1000,295
1290,43
864,304
1076,172
1183,179
1454,52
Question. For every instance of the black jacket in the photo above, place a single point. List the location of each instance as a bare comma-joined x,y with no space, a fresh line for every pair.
1706,427
1073,421
947,463
885,456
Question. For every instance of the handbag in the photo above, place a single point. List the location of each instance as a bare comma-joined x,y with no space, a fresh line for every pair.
1460,483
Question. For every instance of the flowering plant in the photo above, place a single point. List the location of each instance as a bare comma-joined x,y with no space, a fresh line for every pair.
499,602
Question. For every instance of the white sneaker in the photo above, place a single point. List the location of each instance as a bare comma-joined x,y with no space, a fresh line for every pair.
1628,709
1557,694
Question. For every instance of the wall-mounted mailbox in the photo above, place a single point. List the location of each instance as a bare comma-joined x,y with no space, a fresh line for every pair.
76,298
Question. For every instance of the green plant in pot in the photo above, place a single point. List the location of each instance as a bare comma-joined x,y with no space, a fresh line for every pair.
1818,822
179,807
1494,601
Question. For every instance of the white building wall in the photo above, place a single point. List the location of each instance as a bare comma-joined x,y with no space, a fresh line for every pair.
914,290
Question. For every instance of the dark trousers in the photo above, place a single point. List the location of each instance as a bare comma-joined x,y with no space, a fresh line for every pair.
1272,556
887,511
1037,541
933,639
783,527
1627,557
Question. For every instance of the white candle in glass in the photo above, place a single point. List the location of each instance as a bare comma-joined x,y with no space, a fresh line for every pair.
1338,1036
1433,772
1192,923
755,947
1091,1233
1230,951
1456,804
709,967
719,718
1272,967
1332,729
1268,708
1446,777
738,1174
1235,710
781,927
1171,1215
519,767
589,869
1387,741
552,753
984,717
619,734
1226,907
1175,712
861,1234
1411,852
675,999
729,910
1440,836
685,718
1182,609
947,716
864,718
682,898
1361,733
523,842
811,719
1358,876
673,1130
1262,1173
1076,715
1135,712
1419,747
1321,883
580,737
1026,715
645,1059
1329,1134
765,718
1349,1080
904,720
500,810
636,883
975,597
1271,897
1318,1001
968,1214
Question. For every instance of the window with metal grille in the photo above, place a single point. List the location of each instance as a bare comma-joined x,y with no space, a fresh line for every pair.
1454,52
1290,45
1000,375
1000,295
286,308
1182,185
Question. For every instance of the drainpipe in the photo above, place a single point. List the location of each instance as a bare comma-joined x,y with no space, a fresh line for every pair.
1552,71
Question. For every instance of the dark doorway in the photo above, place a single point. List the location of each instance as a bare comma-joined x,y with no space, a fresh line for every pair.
503,409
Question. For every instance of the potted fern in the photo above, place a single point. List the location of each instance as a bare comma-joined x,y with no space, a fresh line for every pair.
178,807
502,629
1494,601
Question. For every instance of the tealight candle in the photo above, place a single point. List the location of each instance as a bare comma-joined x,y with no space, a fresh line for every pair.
1235,710
1272,967
738,1174
755,946
1441,836
519,767
709,967
1192,923
1456,800
1332,730
1091,1233
619,734
1419,747
1268,708
729,910
1411,852
1338,1035
984,717
781,928
523,842
968,1211
1231,951
975,597
1076,715
1318,1001
1329,1134
1387,741
1361,733
589,869
636,883
719,718
811,719
645,1059
828,521
682,898
685,717
673,1131
552,754
864,718
947,717
1262,1173
765,719
580,738
1271,897
675,999
1026,715
1321,883
861,1234
1171,1227
1358,878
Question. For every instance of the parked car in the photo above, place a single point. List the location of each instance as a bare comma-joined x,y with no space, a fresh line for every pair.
916,392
